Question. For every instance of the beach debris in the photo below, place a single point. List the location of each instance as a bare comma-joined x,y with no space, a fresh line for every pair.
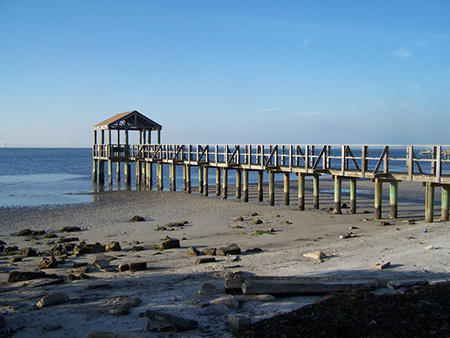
176,224
204,260
208,289
106,334
382,224
228,301
233,282
344,206
15,259
20,276
29,252
231,249
382,265
136,266
257,221
28,232
10,250
79,264
239,219
113,246
169,244
252,214
209,251
70,229
430,247
254,250
50,236
262,232
233,258
317,255
68,239
119,306
352,228
48,263
408,283
84,248
160,321
193,251
286,222
53,299
101,262
348,235
137,219
161,228
238,321
237,226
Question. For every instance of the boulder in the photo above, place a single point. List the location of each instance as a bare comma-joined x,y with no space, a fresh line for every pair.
317,255
20,276
136,266
70,229
113,246
192,251
238,321
137,219
101,262
209,251
53,299
231,249
169,244
159,321
208,289
228,301
48,263
29,252
119,306
205,260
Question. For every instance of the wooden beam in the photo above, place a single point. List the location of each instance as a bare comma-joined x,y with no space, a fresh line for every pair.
316,191
238,183
337,195
173,170
393,199
445,202
159,176
205,180
429,202
301,192
353,195
271,188
260,186
224,183
378,198
286,188
218,183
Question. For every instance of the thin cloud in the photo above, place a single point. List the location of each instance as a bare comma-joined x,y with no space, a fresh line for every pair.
268,109
306,42
402,53
307,113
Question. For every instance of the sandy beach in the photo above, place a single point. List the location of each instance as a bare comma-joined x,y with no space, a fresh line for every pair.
172,279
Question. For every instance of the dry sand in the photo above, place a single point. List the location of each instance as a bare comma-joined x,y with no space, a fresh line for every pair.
172,279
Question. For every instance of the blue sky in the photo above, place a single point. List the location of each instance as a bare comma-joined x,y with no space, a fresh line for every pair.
372,72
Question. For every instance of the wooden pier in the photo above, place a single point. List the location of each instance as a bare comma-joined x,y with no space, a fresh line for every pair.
383,164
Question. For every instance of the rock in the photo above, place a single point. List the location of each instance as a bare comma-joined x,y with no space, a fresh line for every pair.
397,284
238,321
51,236
137,248
79,264
113,246
83,248
119,306
209,251
286,222
430,247
233,258
2,321
159,321
28,232
382,224
105,334
72,277
240,219
169,244
9,250
256,221
254,250
252,214
70,229
215,310
228,301
257,298
48,263
234,282
53,299
382,265
137,219
205,260
101,262
176,224
192,251
137,266
208,289
29,252
20,276
232,249
344,206
159,228
317,255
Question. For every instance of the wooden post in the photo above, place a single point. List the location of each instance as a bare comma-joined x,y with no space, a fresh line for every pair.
173,169
316,191
159,176
218,183
94,162
149,173
184,178
101,172
301,192
110,175
445,202
337,195
238,183
260,186
429,202
393,198
200,179
224,183
245,187
286,188
205,180
127,160
188,178
118,162
138,174
378,198
353,195
271,188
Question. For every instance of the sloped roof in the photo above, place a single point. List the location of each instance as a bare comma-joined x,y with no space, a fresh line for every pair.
132,120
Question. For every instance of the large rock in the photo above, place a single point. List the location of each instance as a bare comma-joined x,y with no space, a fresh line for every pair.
193,251
209,251
119,306
136,266
53,299
113,246
20,276
101,262
105,334
231,249
29,252
48,263
159,321
169,244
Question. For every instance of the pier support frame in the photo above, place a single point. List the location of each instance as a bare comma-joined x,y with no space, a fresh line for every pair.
337,195
148,172
429,202
316,191
205,181
159,176
301,192
445,202
224,183
218,183
138,174
187,169
245,186
286,188
238,183
393,198
353,195
378,198
271,188
260,186
200,179
173,170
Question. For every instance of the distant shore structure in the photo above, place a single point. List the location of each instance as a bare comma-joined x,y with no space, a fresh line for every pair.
389,164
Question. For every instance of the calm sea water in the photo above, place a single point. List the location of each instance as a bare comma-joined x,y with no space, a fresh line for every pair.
54,176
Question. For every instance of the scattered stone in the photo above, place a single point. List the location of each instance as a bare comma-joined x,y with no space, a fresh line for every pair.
238,321
51,236
50,328
159,321
233,258
105,334
160,228
348,235
137,266
233,282
382,224
113,246
79,264
79,270
24,232
70,229
208,289
98,286
240,219
137,248
330,209
15,259
382,265
101,262
236,226
68,239
9,250
397,284
53,299
430,247
215,310
254,250
20,276
228,301
176,224
344,206
72,277
257,298
137,219
231,249
83,248
48,263
192,251
205,260
29,252
286,222
119,306
352,228
257,221
169,244
252,214
262,232
317,255
209,251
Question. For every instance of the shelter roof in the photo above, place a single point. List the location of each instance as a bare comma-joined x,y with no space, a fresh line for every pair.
132,120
